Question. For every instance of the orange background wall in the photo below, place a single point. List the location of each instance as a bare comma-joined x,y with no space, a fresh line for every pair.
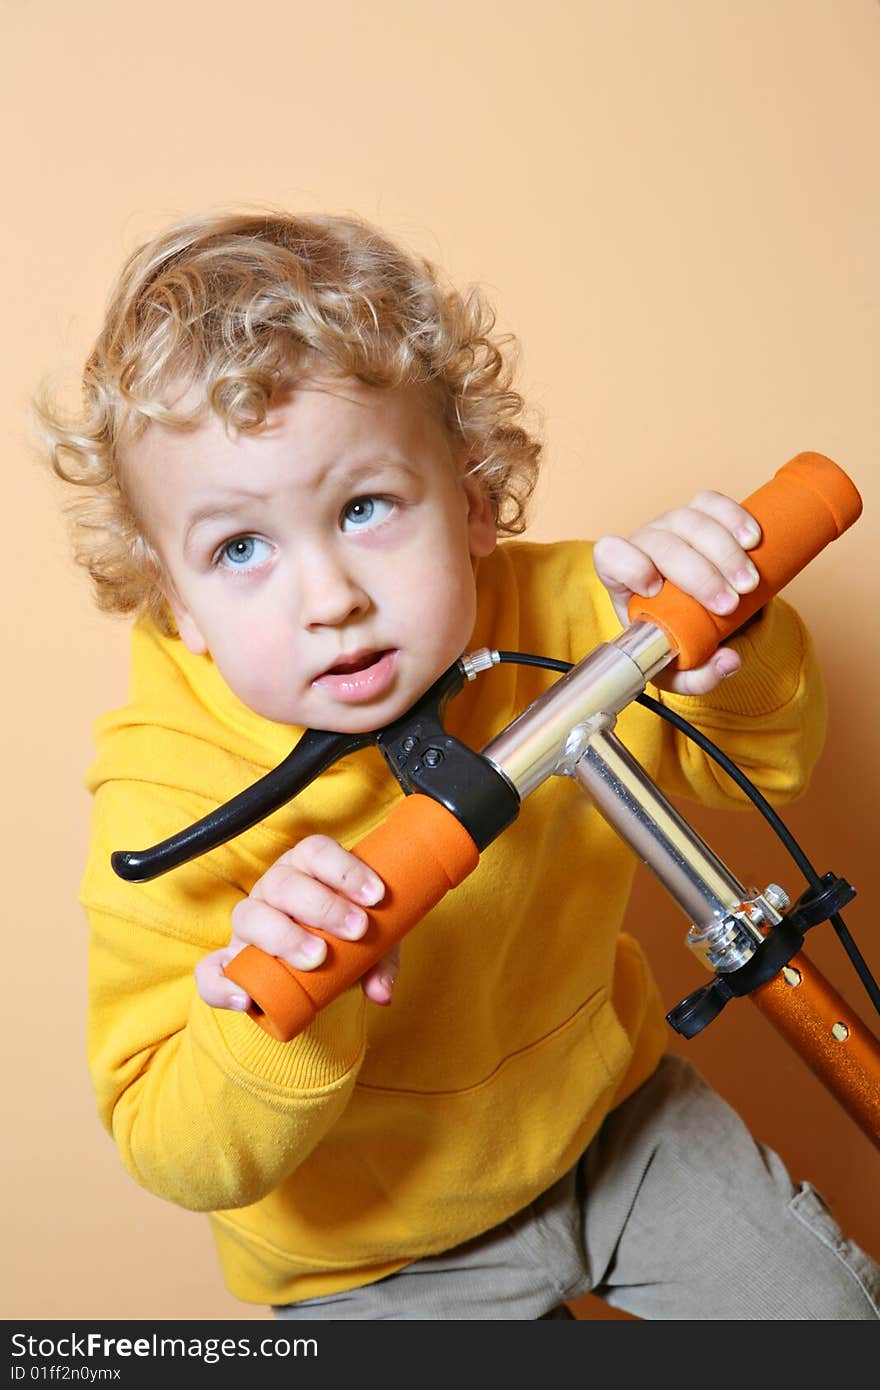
675,206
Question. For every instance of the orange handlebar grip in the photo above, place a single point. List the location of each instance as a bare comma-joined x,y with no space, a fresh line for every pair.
837,1047
419,851
809,502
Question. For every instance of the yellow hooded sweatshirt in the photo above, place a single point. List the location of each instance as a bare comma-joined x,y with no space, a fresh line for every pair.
522,1013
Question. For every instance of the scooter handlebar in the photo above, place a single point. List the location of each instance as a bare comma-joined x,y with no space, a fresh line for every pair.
419,851
809,502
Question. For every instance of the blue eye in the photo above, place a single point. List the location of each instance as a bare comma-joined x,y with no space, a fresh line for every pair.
364,512
244,552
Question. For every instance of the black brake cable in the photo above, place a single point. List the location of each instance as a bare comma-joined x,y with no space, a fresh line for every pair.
736,774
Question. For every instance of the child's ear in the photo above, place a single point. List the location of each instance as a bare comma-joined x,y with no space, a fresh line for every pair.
187,628
482,529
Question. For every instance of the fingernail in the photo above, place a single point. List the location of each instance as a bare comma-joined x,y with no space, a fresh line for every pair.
747,579
748,535
238,1001
372,892
725,602
726,665
355,923
311,951
387,980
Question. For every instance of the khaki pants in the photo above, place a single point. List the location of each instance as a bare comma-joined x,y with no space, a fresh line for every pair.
673,1212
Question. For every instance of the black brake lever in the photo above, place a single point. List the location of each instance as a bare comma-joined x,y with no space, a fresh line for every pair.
315,751
416,748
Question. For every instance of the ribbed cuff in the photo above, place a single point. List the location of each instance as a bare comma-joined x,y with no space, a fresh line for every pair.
317,1059
773,652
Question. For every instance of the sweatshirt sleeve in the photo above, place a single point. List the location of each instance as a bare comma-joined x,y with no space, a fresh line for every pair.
769,718
208,1111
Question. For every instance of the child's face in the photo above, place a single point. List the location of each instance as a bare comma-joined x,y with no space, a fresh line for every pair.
325,562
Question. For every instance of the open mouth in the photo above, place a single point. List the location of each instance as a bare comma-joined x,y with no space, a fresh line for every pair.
361,676
356,663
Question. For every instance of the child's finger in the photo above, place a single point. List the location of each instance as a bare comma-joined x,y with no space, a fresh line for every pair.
305,900
213,986
624,568
706,535
731,515
714,534
700,557
378,983
319,884
701,679
258,923
325,860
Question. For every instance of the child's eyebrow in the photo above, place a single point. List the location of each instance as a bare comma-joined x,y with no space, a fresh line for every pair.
224,507
356,473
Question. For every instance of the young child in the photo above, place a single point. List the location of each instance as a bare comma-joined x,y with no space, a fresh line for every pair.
297,449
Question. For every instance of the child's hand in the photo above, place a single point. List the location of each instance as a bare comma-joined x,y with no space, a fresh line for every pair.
701,548
316,884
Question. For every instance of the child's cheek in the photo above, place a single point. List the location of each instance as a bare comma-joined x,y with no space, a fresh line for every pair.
451,594
259,669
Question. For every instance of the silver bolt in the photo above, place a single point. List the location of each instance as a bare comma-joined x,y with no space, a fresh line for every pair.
840,1031
777,897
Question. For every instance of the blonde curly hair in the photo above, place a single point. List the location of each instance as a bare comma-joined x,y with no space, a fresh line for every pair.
242,305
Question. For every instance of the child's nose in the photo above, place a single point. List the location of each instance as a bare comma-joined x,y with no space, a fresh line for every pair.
330,593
